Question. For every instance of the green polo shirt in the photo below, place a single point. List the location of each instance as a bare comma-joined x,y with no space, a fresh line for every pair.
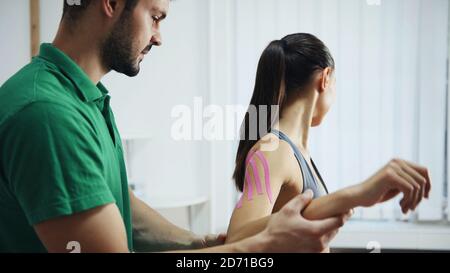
60,150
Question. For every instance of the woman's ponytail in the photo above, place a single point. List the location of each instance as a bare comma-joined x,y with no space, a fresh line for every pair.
269,91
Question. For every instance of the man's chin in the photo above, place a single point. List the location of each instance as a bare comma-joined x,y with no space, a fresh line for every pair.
133,73
130,72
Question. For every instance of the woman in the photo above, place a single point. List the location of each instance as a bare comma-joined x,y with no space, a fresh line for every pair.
297,75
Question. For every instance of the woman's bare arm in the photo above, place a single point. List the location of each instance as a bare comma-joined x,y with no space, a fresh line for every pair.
256,205
336,204
396,177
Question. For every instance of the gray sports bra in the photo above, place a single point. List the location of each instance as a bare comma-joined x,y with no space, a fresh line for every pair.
309,180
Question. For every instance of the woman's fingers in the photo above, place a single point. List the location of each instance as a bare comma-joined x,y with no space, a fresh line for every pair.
411,205
406,188
424,173
422,181
414,197
406,177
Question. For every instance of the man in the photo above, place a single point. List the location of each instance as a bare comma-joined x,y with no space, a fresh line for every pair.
62,174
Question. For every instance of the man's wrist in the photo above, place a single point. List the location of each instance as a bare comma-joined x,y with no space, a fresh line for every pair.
195,241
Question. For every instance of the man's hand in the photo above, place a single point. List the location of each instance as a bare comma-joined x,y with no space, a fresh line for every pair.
209,240
288,231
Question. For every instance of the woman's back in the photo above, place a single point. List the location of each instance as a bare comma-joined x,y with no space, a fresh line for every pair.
311,178
276,172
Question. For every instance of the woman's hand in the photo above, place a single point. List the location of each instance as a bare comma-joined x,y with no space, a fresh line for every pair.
398,176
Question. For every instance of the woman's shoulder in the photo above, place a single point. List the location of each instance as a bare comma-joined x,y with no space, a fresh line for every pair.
278,154
272,146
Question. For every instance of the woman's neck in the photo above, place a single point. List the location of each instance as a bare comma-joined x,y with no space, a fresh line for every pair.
295,120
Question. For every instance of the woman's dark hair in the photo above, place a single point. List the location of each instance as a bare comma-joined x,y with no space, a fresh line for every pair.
286,66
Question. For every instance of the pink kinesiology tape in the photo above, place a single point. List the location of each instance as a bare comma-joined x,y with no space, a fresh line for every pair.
263,160
248,185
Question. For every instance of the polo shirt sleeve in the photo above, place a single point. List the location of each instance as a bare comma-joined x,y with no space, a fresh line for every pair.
53,162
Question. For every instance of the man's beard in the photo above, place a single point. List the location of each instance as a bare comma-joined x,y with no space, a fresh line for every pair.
117,50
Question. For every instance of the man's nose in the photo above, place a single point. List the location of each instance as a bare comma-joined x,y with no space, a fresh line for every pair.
156,39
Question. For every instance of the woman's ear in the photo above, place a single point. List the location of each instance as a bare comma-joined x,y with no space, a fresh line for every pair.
325,79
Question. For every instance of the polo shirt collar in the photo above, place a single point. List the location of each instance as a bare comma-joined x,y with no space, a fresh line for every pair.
89,91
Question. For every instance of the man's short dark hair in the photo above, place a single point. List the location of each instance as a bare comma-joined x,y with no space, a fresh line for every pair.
73,9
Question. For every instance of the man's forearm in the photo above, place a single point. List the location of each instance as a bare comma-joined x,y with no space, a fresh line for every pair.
255,244
152,232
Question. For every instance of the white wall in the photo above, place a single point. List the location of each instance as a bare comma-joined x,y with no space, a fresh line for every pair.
50,15
14,30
